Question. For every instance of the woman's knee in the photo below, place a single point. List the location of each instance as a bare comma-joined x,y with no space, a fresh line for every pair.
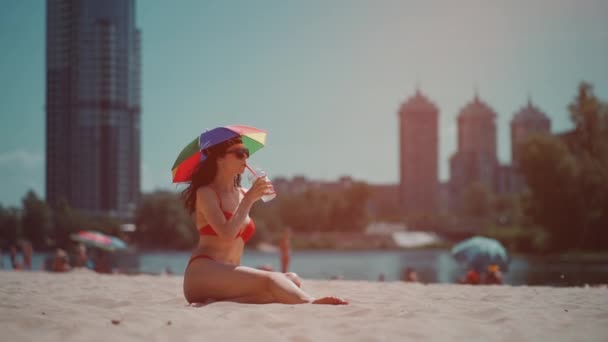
294,278
276,278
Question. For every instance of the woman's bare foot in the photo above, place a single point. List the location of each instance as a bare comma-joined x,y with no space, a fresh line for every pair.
330,300
294,278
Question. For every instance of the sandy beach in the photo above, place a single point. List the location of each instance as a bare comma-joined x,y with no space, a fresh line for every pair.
85,306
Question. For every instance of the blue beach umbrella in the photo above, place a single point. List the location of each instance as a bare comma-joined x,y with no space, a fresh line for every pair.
479,252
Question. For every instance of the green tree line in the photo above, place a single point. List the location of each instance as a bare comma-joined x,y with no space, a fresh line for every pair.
163,223
567,175
45,226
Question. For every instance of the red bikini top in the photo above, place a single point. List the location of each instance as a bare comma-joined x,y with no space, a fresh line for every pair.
246,233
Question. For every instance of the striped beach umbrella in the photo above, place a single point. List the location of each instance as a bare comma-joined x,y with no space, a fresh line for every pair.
99,240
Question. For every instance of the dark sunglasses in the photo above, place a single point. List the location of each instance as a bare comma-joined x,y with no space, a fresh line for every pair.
240,153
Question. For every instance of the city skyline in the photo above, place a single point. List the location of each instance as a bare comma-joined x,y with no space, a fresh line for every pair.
318,77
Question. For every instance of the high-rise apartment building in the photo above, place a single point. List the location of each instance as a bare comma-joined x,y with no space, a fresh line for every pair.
476,159
419,156
93,77
527,122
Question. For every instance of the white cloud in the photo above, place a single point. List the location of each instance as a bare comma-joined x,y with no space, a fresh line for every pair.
20,158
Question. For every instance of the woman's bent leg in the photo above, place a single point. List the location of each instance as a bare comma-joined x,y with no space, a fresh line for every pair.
266,298
286,291
294,278
206,279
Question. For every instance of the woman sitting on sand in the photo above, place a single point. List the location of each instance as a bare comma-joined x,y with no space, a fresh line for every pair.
220,209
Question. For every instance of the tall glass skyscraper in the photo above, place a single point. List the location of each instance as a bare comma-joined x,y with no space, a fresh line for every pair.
93,77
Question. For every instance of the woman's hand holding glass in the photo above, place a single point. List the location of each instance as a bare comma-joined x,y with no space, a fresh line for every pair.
255,173
261,187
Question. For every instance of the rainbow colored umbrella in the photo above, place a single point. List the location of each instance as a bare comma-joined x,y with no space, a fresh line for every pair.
253,138
99,240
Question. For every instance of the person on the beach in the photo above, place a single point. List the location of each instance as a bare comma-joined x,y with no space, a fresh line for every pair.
16,264
285,249
102,262
220,209
494,276
410,275
28,251
60,261
471,278
81,259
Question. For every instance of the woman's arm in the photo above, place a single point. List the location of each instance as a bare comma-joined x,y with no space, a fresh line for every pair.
208,204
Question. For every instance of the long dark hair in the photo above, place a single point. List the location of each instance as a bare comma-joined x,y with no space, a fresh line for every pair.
205,172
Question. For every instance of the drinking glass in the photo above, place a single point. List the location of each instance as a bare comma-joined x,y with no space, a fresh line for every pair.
252,174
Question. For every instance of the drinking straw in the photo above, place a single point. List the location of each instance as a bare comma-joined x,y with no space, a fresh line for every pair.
251,170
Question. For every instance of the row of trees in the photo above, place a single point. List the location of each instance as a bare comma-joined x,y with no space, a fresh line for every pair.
45,226
162,222
568,177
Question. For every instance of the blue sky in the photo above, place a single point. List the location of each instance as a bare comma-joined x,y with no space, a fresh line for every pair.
325,78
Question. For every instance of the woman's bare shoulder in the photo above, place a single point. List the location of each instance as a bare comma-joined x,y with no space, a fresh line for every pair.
205,194
204,190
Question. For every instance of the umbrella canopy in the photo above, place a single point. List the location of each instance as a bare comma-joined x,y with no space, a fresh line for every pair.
253,138
479,252
99,240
